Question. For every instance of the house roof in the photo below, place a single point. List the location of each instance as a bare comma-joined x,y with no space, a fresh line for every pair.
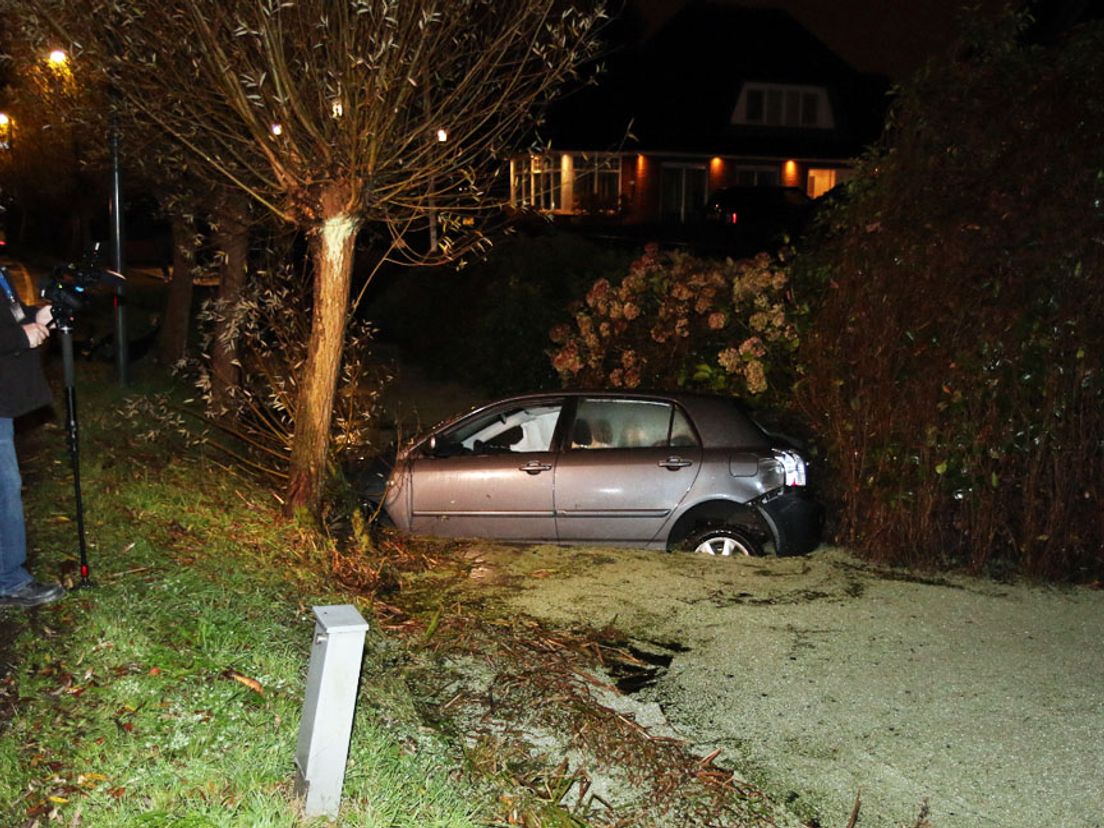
675,91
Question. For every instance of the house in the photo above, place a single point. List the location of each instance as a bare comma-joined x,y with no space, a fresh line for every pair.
720,96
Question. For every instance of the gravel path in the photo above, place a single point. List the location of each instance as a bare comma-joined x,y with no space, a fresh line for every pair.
821,677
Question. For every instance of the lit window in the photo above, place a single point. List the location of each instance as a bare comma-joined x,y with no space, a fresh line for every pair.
537,183
595,183
822,180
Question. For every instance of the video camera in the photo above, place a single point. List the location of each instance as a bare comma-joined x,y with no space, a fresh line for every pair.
68,285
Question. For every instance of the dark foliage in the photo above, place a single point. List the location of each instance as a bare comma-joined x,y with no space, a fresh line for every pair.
954,365
487,324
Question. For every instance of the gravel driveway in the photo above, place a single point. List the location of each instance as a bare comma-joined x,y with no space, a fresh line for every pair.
823,677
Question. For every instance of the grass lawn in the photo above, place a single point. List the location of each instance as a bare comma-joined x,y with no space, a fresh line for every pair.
171,692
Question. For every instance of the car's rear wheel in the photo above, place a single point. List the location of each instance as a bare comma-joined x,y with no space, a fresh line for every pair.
724,541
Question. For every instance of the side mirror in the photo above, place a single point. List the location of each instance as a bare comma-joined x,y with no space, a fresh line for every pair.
438,446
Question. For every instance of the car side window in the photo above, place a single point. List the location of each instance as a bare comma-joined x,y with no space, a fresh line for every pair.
612,423
682,433
514,430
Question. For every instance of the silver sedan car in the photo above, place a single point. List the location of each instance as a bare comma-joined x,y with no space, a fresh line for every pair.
667,471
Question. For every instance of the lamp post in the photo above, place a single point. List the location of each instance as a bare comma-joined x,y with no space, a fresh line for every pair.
59,62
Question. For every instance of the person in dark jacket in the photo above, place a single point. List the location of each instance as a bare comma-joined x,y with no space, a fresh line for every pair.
23,389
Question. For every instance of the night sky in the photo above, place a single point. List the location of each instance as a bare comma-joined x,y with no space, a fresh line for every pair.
889,37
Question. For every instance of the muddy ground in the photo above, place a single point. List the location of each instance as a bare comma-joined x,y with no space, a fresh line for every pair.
820,678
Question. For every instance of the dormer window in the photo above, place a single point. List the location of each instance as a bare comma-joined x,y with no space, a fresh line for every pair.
783,105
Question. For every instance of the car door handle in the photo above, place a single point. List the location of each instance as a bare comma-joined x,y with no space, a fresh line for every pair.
535,467
674,463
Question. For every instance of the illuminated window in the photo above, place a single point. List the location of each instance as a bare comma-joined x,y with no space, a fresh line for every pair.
537,183
580,183
597,183
822,180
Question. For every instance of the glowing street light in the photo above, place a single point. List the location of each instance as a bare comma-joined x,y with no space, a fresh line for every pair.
58,63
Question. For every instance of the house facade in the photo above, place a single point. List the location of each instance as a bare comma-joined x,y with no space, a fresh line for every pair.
720,96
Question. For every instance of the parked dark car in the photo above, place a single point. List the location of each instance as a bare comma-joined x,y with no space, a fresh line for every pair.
667,471
760,213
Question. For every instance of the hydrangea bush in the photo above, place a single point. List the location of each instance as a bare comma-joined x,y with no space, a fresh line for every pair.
677,321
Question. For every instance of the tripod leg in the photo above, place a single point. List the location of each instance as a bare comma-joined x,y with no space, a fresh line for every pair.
72,431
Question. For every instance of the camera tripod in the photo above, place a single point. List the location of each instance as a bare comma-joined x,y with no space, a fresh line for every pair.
67,291
72,431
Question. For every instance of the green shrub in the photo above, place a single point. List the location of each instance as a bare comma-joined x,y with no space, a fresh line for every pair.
954,360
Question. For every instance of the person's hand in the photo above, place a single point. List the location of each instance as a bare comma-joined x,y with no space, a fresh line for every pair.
36,333
45,315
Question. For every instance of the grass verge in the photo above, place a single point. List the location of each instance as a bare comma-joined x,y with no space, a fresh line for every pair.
171,692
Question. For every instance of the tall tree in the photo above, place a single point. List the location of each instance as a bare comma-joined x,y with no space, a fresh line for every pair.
334,114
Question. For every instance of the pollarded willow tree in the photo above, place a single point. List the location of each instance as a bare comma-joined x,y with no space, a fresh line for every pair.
335,114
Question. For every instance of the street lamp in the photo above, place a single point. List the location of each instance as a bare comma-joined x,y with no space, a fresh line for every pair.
7,129
58,61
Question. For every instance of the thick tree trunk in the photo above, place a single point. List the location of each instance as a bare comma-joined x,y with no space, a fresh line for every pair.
231,240
178,305
332,256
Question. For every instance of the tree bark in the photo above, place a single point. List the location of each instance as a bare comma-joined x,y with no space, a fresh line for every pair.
231,240
178,305
332,256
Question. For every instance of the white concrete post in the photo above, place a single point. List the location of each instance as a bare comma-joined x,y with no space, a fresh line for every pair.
328,707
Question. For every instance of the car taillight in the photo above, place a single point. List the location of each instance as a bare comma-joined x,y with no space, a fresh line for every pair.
786,469
732,218
793,467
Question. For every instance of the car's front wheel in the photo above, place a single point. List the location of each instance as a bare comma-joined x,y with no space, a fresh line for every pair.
723,540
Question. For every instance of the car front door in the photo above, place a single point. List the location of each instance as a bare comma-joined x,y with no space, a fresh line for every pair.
489,476
627,466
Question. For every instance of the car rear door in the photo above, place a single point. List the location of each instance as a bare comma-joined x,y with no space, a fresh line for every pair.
629,464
